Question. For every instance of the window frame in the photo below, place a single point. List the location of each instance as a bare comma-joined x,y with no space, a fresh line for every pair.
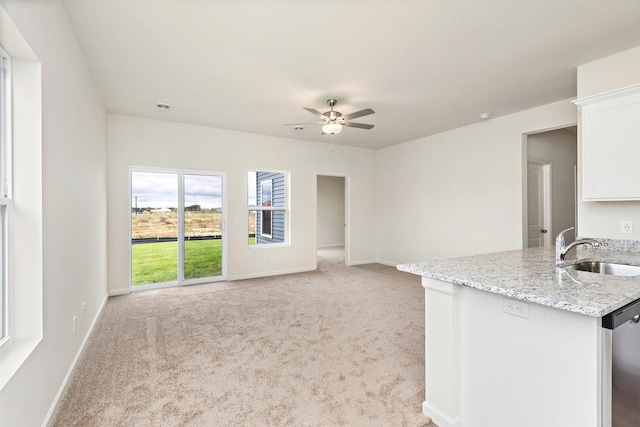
180,174
259,209
25,176
6,314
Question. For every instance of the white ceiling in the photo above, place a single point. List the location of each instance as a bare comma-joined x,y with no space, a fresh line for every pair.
424,66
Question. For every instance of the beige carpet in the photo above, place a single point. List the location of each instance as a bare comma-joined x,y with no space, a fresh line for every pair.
342,346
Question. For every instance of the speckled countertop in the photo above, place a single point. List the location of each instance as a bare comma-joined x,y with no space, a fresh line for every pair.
531,275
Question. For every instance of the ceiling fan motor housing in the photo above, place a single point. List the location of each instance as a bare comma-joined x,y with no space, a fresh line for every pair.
332,115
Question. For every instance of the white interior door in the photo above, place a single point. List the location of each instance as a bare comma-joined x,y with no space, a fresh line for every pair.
538,201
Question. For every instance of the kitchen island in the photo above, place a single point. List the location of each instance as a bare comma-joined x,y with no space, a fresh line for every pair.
513,340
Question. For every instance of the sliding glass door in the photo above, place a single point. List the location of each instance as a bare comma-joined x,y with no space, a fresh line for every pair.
154,228
177,227
202,226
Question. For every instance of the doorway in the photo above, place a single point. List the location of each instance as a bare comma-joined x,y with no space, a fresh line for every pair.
538,202
177,228
332,237
549,199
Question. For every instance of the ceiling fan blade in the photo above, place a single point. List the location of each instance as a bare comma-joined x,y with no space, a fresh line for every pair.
316,113
359,125
357,114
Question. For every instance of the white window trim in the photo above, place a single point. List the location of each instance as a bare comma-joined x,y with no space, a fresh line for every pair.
6,322
286,209
26,263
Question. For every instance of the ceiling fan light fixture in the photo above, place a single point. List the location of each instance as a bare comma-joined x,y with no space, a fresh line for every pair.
332,128
333,121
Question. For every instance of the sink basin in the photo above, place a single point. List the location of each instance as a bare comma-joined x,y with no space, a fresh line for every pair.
605,268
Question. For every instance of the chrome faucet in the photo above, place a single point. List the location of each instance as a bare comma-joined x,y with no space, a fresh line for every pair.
561,249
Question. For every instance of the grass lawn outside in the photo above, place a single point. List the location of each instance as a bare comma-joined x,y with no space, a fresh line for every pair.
202,258
158,262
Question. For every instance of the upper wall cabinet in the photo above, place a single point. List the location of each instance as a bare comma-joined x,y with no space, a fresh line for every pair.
611,145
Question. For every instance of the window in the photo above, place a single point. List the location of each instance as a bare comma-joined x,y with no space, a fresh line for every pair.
21,263
268,206
5,193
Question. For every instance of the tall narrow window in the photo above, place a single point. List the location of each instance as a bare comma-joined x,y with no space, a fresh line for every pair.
268,202
5,194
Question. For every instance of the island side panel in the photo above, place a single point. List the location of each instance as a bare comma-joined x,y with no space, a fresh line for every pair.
543,370
487,367
442,339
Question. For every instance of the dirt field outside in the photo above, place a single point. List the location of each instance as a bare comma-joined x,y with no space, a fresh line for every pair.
155,225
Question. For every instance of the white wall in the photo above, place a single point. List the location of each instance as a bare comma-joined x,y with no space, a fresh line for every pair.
458,192
610,72
331,204
144,142
602,219
560,147
73,209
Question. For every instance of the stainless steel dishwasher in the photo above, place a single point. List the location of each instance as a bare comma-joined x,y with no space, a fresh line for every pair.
621,367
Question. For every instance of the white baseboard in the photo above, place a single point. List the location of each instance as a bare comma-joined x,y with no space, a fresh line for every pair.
374,261
121,291
270,273
56,401
366,261
331,245
438,417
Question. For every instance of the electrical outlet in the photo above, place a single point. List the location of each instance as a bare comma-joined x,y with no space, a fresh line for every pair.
515,308
84,309
73,330
626,227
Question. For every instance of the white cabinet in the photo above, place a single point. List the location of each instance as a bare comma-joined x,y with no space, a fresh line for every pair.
611,145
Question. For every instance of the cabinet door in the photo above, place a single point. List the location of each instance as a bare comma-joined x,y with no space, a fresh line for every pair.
611,148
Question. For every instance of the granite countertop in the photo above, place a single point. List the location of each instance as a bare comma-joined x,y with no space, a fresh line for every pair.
532,275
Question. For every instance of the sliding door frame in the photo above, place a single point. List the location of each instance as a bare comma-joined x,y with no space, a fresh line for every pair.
180,174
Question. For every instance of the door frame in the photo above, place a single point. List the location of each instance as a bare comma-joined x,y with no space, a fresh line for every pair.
523,167
547,208
180,176
347,216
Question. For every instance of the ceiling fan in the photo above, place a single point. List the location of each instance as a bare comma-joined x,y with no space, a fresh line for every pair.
333,121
